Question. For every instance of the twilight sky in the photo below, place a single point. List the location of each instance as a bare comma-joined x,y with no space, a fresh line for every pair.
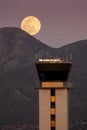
63,21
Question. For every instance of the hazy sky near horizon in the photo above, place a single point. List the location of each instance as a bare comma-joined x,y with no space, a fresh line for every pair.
63,21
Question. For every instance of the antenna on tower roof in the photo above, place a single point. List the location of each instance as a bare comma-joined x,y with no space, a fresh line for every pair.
70,58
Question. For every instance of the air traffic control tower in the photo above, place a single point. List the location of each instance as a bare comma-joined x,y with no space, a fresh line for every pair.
53,94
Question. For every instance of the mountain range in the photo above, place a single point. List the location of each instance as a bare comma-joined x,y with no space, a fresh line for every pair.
18,76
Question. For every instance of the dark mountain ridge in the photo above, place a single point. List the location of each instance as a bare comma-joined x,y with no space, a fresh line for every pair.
78,76
18,76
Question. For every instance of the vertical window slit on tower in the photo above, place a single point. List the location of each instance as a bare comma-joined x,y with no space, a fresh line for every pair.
52,109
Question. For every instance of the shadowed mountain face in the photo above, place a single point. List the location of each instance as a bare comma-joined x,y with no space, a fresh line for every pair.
18,76
78,76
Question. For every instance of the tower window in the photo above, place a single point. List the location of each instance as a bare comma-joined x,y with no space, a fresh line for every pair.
52,111
52,104
52,128
52,117
53,123
52,91
52,98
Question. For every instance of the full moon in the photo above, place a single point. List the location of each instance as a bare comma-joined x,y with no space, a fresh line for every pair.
31,25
